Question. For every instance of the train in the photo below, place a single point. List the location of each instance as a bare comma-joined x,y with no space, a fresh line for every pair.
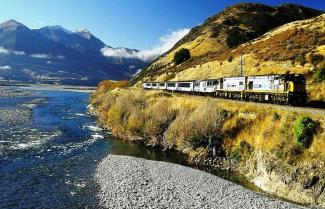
287,89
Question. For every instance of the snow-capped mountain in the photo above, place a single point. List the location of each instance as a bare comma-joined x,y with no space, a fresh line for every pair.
55,54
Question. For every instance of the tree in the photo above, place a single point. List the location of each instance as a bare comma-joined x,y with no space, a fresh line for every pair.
182,55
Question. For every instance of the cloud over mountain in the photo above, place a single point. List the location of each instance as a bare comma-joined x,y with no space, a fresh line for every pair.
166,42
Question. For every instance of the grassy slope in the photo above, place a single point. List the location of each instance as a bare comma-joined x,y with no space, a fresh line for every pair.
292,47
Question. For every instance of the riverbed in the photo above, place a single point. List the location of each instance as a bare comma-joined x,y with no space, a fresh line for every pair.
50,149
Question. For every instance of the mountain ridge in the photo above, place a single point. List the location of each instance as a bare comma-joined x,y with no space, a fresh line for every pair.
215,46
225,31
47,52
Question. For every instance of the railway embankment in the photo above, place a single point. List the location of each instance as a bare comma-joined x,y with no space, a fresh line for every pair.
279,149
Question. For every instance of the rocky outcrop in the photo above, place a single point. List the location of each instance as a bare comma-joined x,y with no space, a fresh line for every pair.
303,183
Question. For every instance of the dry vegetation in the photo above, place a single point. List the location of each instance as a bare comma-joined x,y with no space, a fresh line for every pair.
297,47
194,124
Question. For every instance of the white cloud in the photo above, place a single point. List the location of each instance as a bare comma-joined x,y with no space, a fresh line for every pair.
4,51
6,67
19,53
60,57
40,56
166,42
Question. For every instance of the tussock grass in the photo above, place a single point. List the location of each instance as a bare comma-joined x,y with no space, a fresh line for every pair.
194,124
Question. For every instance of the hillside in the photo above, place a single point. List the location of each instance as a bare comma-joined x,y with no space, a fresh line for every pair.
53,54
272,40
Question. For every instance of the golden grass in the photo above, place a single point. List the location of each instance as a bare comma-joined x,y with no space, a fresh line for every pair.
288,48
188,123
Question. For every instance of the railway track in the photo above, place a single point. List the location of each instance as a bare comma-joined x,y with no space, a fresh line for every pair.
298,109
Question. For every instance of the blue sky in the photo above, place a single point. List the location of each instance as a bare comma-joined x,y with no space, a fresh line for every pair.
140,24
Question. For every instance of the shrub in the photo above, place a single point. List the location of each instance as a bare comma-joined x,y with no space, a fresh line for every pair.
196,128
276,117
243,150
182,55
315,59
320,74
230,58
303,131
158,117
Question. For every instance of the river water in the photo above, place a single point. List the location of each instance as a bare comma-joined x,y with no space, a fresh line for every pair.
49,159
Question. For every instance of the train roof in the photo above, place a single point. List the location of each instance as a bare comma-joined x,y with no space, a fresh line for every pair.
214,79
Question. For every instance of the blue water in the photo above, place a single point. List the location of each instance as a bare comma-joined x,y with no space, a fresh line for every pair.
50,160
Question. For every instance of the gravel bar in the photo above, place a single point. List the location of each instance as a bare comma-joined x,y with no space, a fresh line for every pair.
128,182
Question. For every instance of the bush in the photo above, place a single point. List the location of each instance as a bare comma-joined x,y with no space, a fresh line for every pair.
158,117
182,55
243,150
315,59
230,58
276,117
303,131
196,128
320,74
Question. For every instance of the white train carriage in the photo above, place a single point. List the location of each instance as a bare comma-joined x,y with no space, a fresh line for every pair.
206,86
154,85
146,85
162,86
231,87
186,86
234,84
172,86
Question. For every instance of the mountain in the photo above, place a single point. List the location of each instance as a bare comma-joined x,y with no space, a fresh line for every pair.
287,38
222,33
55,54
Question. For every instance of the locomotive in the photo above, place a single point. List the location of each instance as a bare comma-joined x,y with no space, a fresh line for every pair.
288,89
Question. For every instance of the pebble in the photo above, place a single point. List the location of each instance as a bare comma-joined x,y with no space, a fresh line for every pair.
128,182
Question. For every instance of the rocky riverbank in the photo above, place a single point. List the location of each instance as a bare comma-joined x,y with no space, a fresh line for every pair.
225,135
128,182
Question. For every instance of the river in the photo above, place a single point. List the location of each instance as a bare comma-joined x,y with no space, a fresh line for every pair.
50,147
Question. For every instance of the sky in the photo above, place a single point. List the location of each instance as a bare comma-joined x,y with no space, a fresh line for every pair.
147,25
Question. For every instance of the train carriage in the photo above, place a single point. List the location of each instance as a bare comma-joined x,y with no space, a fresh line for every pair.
172,86
186,86
147,85
232,87
154,85
208,86
162,86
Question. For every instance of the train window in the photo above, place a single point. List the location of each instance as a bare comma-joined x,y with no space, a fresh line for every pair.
162,84
185,85
240,83
154,84
171,84
215,83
